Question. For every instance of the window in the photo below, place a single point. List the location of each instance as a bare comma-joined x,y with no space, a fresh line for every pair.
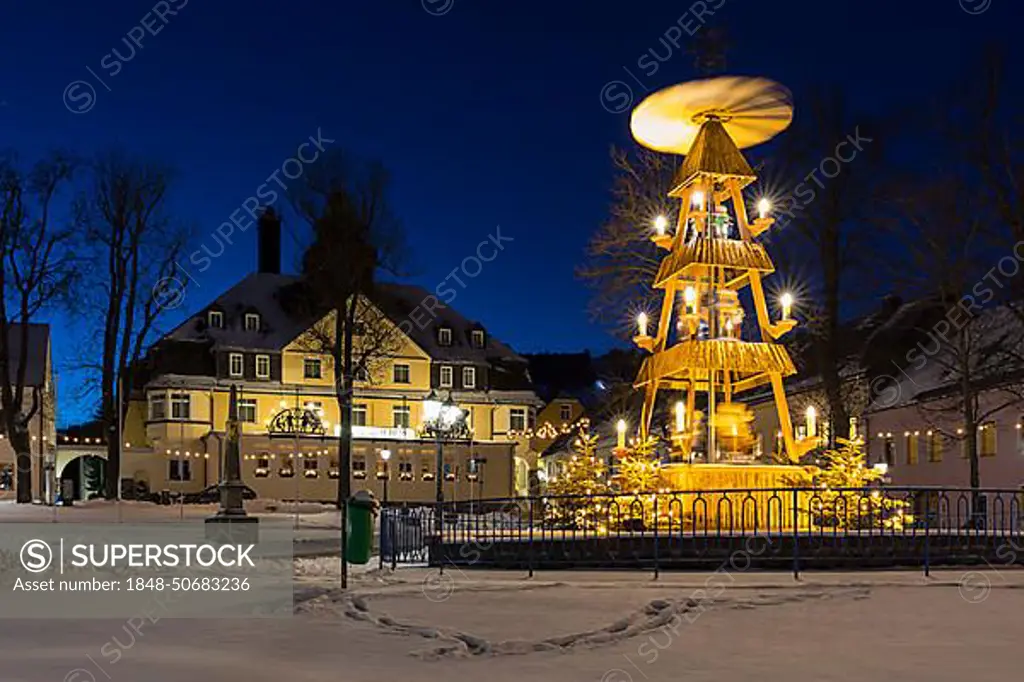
890,451
934,446
332,471
382,468
987,446
427,469
911,443
358,466
262,467
6,477
180,470
801,431
311,368
247,410
479,340
310,467
854,424
565,411
517,419
446,376
157,406
181,406
314,406
262,366
287,469
469,377
405,470
450,469
252,322
359,414
444,336
400,416
361,374
215,319
401,374
235,364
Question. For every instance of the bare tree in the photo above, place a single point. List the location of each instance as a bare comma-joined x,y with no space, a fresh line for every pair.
972,357
39,270
823,225
355,234
621,260
125,220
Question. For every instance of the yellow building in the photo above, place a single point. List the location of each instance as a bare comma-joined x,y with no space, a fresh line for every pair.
253,337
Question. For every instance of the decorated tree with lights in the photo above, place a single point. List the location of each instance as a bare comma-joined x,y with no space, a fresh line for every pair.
570,494
637,478
841,498
639,468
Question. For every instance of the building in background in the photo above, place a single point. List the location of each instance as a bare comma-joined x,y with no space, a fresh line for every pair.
40,395
254,336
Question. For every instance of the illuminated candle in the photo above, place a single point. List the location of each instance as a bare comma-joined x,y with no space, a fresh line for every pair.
763,206
690,297
641,324
680,416
787,305
660,223
812,421
621,429
698,200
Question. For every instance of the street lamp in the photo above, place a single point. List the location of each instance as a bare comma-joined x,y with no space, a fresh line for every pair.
442,419
386,455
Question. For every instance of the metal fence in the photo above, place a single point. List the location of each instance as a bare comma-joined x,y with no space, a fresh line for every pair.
800,528
405,534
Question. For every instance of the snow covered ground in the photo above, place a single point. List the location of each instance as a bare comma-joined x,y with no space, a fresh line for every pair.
608,627
501,626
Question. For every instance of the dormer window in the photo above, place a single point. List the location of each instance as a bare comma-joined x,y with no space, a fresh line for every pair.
215,319
479,338
252,322
444,336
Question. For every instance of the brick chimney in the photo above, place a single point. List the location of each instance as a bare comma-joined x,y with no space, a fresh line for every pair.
268,254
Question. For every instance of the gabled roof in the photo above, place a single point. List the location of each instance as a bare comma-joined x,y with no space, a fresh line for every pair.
258,292
398,301
37,355
272,296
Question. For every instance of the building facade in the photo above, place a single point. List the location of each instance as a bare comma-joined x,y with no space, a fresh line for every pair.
261,337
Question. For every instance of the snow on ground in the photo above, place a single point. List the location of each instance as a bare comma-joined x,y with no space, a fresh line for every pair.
600,627
310,514
503,626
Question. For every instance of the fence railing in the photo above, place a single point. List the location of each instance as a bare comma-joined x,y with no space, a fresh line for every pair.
876,526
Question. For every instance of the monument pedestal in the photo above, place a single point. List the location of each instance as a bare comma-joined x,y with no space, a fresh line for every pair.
233,529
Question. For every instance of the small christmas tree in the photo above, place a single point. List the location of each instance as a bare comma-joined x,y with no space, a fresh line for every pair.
637,478
570,493
841,501
639,469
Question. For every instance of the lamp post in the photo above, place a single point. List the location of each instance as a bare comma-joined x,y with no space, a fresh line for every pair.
385,455
441,419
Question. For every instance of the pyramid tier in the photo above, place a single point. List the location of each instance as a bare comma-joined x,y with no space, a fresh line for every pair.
696,258
695,359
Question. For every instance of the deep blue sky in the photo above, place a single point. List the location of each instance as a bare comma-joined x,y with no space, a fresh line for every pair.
487,115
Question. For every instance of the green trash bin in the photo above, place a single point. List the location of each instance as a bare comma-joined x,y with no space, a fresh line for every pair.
361,511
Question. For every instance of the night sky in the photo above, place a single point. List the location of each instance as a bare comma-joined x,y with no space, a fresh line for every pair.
486,113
